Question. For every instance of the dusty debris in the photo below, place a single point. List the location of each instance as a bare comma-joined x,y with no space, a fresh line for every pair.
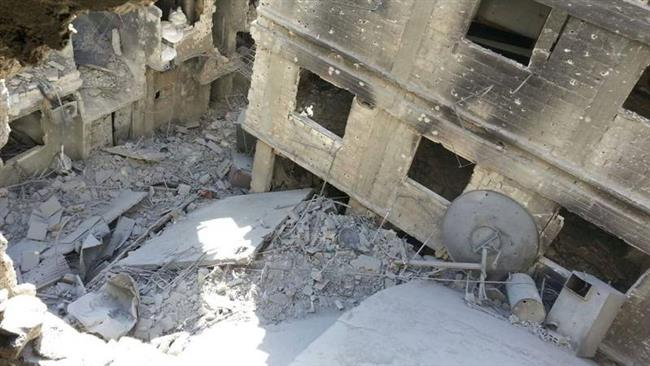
110,313
148,156
21,322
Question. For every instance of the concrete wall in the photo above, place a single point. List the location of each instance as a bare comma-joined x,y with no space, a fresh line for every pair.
551,133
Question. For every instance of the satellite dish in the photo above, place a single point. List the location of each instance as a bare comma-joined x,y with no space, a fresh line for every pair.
490,220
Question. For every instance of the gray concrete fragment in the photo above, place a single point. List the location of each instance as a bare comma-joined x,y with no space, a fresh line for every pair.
21,322
50,207
226,231
29,259
110,313
365,263
50,270
389,329
122,203
37,230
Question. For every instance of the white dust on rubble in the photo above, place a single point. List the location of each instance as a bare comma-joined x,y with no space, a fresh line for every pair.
317,260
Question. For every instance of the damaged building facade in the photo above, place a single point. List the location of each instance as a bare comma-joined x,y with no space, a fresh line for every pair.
122,75
405,104
400,106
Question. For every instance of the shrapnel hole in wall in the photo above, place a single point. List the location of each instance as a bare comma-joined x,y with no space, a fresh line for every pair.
509,28
26,134
440,170
582,246
323,102
639,99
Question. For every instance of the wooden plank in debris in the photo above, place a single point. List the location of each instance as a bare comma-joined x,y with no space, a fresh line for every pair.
227,231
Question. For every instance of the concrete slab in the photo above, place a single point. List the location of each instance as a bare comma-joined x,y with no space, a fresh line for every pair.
423,323
227,231
247,342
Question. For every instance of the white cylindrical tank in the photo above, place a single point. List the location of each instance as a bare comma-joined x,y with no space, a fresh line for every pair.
524,299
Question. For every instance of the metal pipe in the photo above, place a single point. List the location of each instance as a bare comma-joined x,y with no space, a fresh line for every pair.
442,264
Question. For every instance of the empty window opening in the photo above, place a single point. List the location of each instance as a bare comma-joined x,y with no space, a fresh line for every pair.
509,28
440,170
578,286
639,99
289,175
26,134
584,247
323,102
246,49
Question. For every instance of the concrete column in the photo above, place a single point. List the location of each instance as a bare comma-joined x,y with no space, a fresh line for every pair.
262,168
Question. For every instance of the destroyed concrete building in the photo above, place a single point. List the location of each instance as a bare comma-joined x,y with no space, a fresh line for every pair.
403,105
123,75
145,112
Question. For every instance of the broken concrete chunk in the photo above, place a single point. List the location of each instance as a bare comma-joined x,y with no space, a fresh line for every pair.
184,189
50,270
21,322
121,234
50,207
60,341
227,231
122,203
223,168
111,312
365,263
37,230
29,259
241,170
150,157
16,251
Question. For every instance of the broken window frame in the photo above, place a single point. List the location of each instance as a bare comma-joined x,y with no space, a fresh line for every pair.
314,124
646,118
36,147
543,45
416,182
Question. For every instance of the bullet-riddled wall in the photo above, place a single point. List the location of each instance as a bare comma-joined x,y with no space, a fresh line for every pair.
547,110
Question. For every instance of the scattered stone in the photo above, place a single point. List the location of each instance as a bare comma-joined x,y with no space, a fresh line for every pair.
183,189
365,263
37,229
21,323
110,313
339,305
29,260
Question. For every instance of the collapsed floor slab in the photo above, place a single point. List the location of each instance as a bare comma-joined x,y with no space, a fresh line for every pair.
227,231
421,323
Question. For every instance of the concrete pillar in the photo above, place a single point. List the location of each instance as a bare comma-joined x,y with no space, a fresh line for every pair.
262,168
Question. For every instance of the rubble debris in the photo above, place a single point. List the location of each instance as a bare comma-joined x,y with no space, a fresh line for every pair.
51,268
7,273
21,322
227,231
110,313
524,298
420,321
37,229
120,235
148,156
241,170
